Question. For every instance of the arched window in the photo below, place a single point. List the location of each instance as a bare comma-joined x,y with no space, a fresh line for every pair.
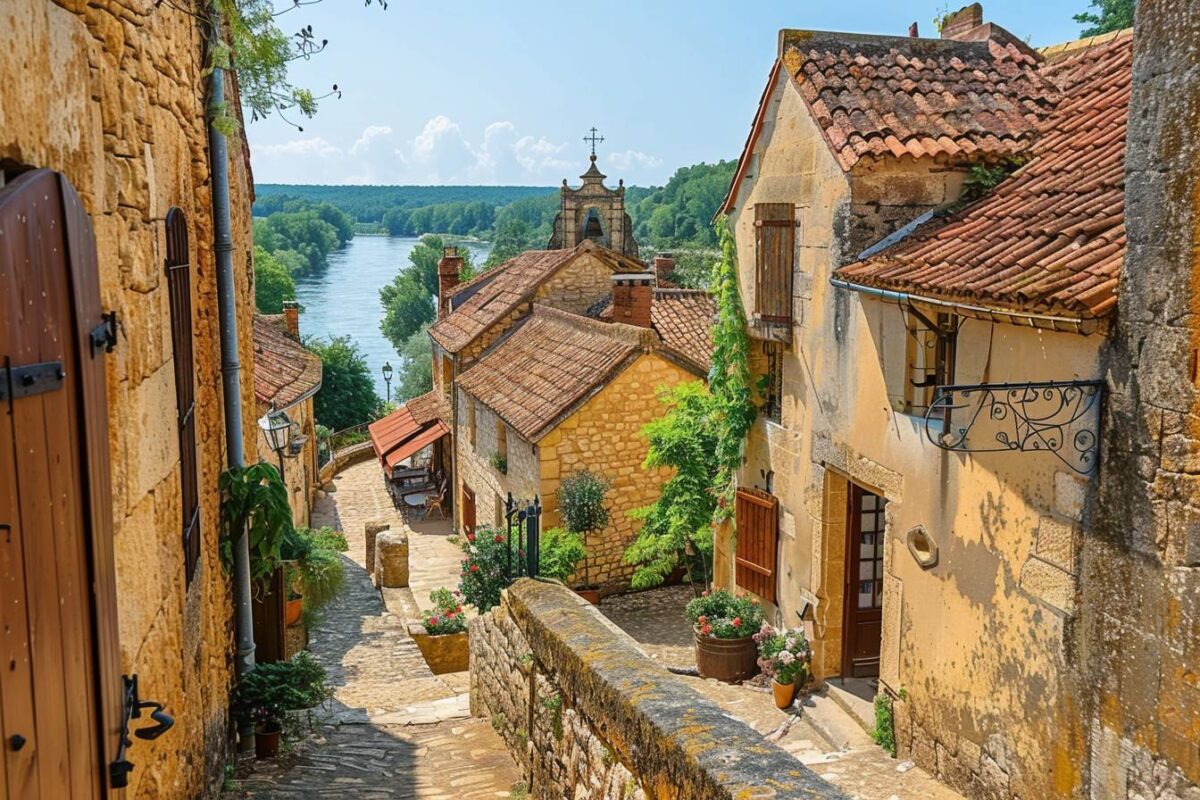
179,285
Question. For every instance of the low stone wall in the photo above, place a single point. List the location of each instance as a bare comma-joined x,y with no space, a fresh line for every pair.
344,458
587,715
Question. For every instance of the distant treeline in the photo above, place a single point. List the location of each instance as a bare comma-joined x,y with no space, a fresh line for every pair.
370,203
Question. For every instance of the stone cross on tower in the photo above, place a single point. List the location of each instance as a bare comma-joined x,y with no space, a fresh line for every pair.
594,139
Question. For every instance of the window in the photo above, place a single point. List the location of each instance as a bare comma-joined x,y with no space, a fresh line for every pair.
471,422
179,288
500,459
757,518
773,381
929,359
447,374
774,253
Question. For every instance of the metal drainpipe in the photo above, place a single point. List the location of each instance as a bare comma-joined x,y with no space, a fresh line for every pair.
230,367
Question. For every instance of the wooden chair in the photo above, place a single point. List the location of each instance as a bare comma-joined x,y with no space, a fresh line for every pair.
436,500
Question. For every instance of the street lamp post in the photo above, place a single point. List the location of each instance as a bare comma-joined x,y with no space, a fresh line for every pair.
387,379
277,428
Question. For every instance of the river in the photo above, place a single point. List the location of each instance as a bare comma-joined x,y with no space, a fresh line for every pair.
344,299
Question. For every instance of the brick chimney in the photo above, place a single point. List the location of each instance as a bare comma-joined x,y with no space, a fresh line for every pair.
291,316
632,295
914,31
448,269
664,265
960,22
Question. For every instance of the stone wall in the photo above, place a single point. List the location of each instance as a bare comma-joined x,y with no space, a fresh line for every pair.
300,472
578,285
587,715
1140,632
474,464
112,95
604,436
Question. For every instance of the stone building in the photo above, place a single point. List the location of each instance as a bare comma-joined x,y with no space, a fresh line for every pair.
108,282
933,376
593,212
286,377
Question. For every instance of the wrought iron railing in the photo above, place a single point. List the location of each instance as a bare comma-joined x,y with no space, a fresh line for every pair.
1059,417
328,445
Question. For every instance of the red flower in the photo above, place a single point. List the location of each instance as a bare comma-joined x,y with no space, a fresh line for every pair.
498,539
703,620
474,568
470,537
737,622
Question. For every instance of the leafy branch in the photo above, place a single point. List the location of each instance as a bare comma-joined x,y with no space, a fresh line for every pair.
254,499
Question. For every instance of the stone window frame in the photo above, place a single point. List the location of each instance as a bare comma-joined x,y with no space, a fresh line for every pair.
501,439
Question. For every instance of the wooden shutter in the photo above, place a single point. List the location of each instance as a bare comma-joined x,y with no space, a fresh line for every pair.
775,240
179,286
757,516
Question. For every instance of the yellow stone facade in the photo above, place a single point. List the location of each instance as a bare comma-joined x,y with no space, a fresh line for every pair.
978,644
112,96
300,471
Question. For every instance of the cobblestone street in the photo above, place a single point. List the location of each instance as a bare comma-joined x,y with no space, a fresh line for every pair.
393,730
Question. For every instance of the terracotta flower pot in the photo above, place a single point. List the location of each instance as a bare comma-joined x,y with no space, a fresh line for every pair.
293,611
785,693
266,739
592,595
728,660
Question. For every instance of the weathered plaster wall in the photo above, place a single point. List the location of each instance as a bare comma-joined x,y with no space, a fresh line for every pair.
1140,632
112,96
604,436
980,642
584,711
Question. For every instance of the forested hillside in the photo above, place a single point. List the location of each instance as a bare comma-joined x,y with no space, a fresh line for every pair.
370,203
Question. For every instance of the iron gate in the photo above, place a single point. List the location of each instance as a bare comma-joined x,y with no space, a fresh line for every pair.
522,520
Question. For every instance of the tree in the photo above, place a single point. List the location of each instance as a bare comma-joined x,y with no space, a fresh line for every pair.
273,283
1114,15
581,498
512,238
416,376
409,301
347,395
680,520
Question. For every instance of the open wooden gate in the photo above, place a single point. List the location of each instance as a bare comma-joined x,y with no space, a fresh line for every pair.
60,682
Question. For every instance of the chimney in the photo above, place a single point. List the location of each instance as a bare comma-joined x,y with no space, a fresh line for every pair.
914,32
965,19
448,269
664,265
291,316
632,295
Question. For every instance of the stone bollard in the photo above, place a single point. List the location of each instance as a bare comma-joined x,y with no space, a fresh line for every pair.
370,531
391,560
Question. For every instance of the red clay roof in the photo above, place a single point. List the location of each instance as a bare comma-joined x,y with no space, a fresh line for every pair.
285,371
683,318
493,295
409,428
1051,238
550,364
884,96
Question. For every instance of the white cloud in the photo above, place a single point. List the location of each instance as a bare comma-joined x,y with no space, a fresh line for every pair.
441,153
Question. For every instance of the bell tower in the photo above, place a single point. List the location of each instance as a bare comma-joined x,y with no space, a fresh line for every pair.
593,211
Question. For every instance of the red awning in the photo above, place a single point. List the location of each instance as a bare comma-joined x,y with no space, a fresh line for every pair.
399,435
415,444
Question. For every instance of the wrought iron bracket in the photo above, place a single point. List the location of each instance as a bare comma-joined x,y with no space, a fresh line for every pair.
31,379
104,335
133,705
1059,417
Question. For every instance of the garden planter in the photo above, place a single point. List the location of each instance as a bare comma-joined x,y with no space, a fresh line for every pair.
266,739
591,594
294,609
785,693
728,660
445,653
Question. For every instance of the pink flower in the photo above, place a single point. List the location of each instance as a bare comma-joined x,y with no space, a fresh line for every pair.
737,622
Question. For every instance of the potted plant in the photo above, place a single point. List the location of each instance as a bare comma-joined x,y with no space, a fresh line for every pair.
581,506
786,657
442,634
269,691
560,552
724,627
316,572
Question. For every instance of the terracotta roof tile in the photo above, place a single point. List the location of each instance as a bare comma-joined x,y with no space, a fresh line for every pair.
1051,238
285,371
683,319
877,96
549,365
488,298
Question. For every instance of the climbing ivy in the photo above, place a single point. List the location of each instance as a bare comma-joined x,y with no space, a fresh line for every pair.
729,375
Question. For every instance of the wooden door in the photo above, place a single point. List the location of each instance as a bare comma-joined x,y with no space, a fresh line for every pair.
864,583
59,678
468,510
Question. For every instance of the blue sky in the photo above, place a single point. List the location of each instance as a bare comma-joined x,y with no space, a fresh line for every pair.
503,92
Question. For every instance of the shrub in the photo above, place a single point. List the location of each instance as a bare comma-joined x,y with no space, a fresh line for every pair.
500,463
581,502
559,553
266,693
722,615
885,724
447,614
784,655
485,567
320,572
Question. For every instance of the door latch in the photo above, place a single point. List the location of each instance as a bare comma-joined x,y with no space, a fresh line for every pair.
118,770
104,335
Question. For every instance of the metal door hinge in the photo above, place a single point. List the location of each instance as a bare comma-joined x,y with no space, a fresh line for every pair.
18,382
104,335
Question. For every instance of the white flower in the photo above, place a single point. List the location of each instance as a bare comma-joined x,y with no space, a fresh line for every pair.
790,643
786,658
